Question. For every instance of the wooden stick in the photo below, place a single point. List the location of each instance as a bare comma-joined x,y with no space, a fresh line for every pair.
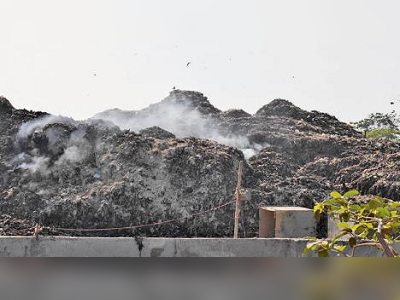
386,248
238,201
37,231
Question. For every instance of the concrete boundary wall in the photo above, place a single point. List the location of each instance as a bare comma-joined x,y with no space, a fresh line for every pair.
154,247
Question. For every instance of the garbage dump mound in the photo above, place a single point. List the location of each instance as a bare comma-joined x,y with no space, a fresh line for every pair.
177,158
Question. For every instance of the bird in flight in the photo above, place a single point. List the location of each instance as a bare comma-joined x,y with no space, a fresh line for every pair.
392,103
188,64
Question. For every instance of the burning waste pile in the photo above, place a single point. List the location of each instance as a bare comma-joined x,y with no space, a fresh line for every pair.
175,159
183,114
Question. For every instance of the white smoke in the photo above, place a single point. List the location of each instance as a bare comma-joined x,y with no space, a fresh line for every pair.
254,150
76,147
71,154
180,119
38,164
28,128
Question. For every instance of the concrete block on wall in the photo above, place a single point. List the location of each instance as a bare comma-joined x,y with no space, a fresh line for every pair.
287,222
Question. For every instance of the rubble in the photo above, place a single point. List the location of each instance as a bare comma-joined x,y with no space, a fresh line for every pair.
157,132
178,158
5,106
10,226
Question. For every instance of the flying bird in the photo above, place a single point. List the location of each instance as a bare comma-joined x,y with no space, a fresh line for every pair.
188,64
392,103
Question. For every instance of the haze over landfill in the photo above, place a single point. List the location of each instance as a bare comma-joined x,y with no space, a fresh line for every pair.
76,58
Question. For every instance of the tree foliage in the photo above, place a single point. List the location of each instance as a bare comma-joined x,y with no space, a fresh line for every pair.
389,133
375,223
379,125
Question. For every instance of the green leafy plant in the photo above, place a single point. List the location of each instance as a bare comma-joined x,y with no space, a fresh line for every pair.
379,125
386,133
372,223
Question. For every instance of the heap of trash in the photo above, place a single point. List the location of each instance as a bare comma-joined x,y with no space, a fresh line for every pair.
174,160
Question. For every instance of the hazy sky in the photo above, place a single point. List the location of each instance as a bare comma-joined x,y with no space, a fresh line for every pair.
344,54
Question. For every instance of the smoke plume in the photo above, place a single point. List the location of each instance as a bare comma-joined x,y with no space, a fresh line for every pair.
181,119
61,146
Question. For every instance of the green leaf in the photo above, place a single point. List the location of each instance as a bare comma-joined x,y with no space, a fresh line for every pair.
373,204
395,225
331,201
319,207
337,237
341,210
340,248
306,251
336,195
388,225
362,211
343,225
345,217
313,246
380,200
383,212
335,208
394,205
389,238
355,207
352,242
323,253
358,228
370,225
343,202
364,234
375,237
352,193
318,210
